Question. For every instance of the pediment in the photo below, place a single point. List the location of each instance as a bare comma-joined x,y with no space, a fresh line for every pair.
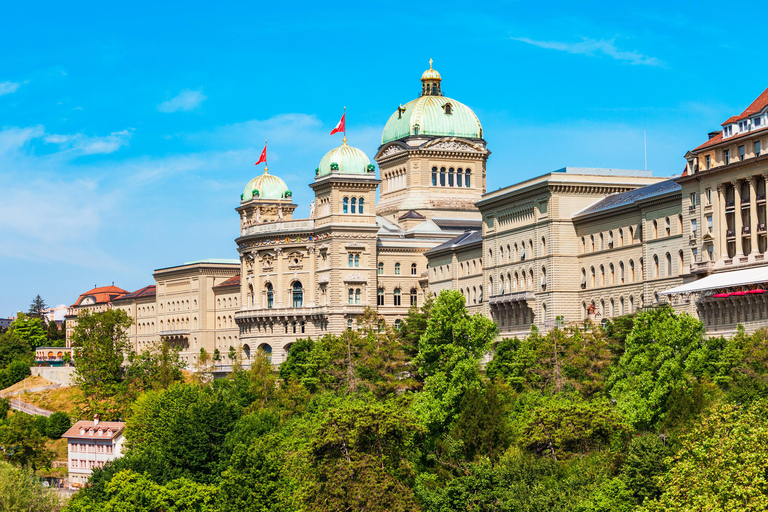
454,144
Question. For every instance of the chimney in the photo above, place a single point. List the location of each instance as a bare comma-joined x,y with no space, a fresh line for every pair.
95,419
712,134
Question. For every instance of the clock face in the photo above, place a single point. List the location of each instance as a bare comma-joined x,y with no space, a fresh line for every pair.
87,301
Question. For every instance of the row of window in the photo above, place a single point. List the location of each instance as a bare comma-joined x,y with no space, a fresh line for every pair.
397,268
473,295
451,177
177,323
90,448
178,305
396,180
397,297
515,252
589,244
86,464
145,328
224,322
352,205
226,302
519,282
598,277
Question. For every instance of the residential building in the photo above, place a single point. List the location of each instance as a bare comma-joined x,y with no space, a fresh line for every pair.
91,444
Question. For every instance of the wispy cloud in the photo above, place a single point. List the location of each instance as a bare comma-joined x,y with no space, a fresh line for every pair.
185,101
9,87
595,47
91,145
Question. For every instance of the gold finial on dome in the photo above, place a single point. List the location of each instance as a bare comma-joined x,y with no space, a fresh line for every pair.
430,63
430,81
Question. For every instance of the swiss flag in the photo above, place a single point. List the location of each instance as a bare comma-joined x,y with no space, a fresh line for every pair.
340,127
263,157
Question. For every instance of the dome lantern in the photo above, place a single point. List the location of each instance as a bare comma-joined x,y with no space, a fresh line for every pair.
430,82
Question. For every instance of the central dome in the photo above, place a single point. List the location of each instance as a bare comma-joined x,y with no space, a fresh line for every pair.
346,160
265,186
432,114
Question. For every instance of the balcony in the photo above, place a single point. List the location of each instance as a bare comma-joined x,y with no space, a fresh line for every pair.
746,230
761,227
692,208
702,267
279,227
507,298
729,233
282,313
174,333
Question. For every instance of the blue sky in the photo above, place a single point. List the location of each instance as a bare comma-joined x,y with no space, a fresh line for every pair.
127,133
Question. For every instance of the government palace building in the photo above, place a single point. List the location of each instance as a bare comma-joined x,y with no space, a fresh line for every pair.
566,246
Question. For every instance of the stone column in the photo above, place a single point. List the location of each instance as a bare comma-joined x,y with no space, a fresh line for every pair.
753,214
737,217
722,224
278,286
312,279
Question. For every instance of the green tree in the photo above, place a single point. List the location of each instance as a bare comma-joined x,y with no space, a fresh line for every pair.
20,491
720,465
38,308
13,348
23,444
56,336
302,364
18,371
645,462
654,364
29,330
5,408
414,326
58,423
156,367
513,361
100,343
449,358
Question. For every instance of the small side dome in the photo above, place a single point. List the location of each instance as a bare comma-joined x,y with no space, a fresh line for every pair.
265,186
344,159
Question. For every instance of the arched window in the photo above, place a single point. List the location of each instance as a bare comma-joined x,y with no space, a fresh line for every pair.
602,242
442,176
621,306
397,269
357,260
621,272
467,182
621,237
631,304
680,263
447,108
351,260
602,275
583,246
298,295
543,278
345,205
351,296
501,284
270,296
631,271
413,269
450,176
414,295
397,297
434,176
680,224
460,177
668,257
583,278
543,246
381,268
667,226
612,274
592,270
380,297
610,239
357,296
360,205
354,205
631,235
655,266
592,243
655,229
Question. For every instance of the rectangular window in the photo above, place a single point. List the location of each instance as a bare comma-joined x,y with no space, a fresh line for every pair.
709,196
742,153
693,200
709,224
695,255
757,148
726,156
694,226
708,161
711,252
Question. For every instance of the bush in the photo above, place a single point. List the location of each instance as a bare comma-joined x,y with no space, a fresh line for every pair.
17,371
5,406
20,491
58,423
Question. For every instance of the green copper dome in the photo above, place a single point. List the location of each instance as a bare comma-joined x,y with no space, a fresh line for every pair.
345,160
266,186
432,114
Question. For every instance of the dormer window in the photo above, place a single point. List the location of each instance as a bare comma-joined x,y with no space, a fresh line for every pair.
448,108
757,121
415,129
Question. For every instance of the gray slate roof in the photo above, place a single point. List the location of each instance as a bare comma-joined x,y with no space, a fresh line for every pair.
463,239
633,196
458,223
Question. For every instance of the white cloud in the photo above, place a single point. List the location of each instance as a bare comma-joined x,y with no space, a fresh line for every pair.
185,101
8,87
594,47
91,145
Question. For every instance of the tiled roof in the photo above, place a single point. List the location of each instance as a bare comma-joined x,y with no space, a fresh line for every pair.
147,291
116,428
232,281
412,214
632,196
102,294
756,106
717,139
462,240
466,224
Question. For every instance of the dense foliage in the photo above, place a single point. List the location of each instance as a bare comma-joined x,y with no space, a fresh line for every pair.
642,414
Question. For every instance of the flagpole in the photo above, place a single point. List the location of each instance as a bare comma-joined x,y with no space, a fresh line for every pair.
345,125
266,168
